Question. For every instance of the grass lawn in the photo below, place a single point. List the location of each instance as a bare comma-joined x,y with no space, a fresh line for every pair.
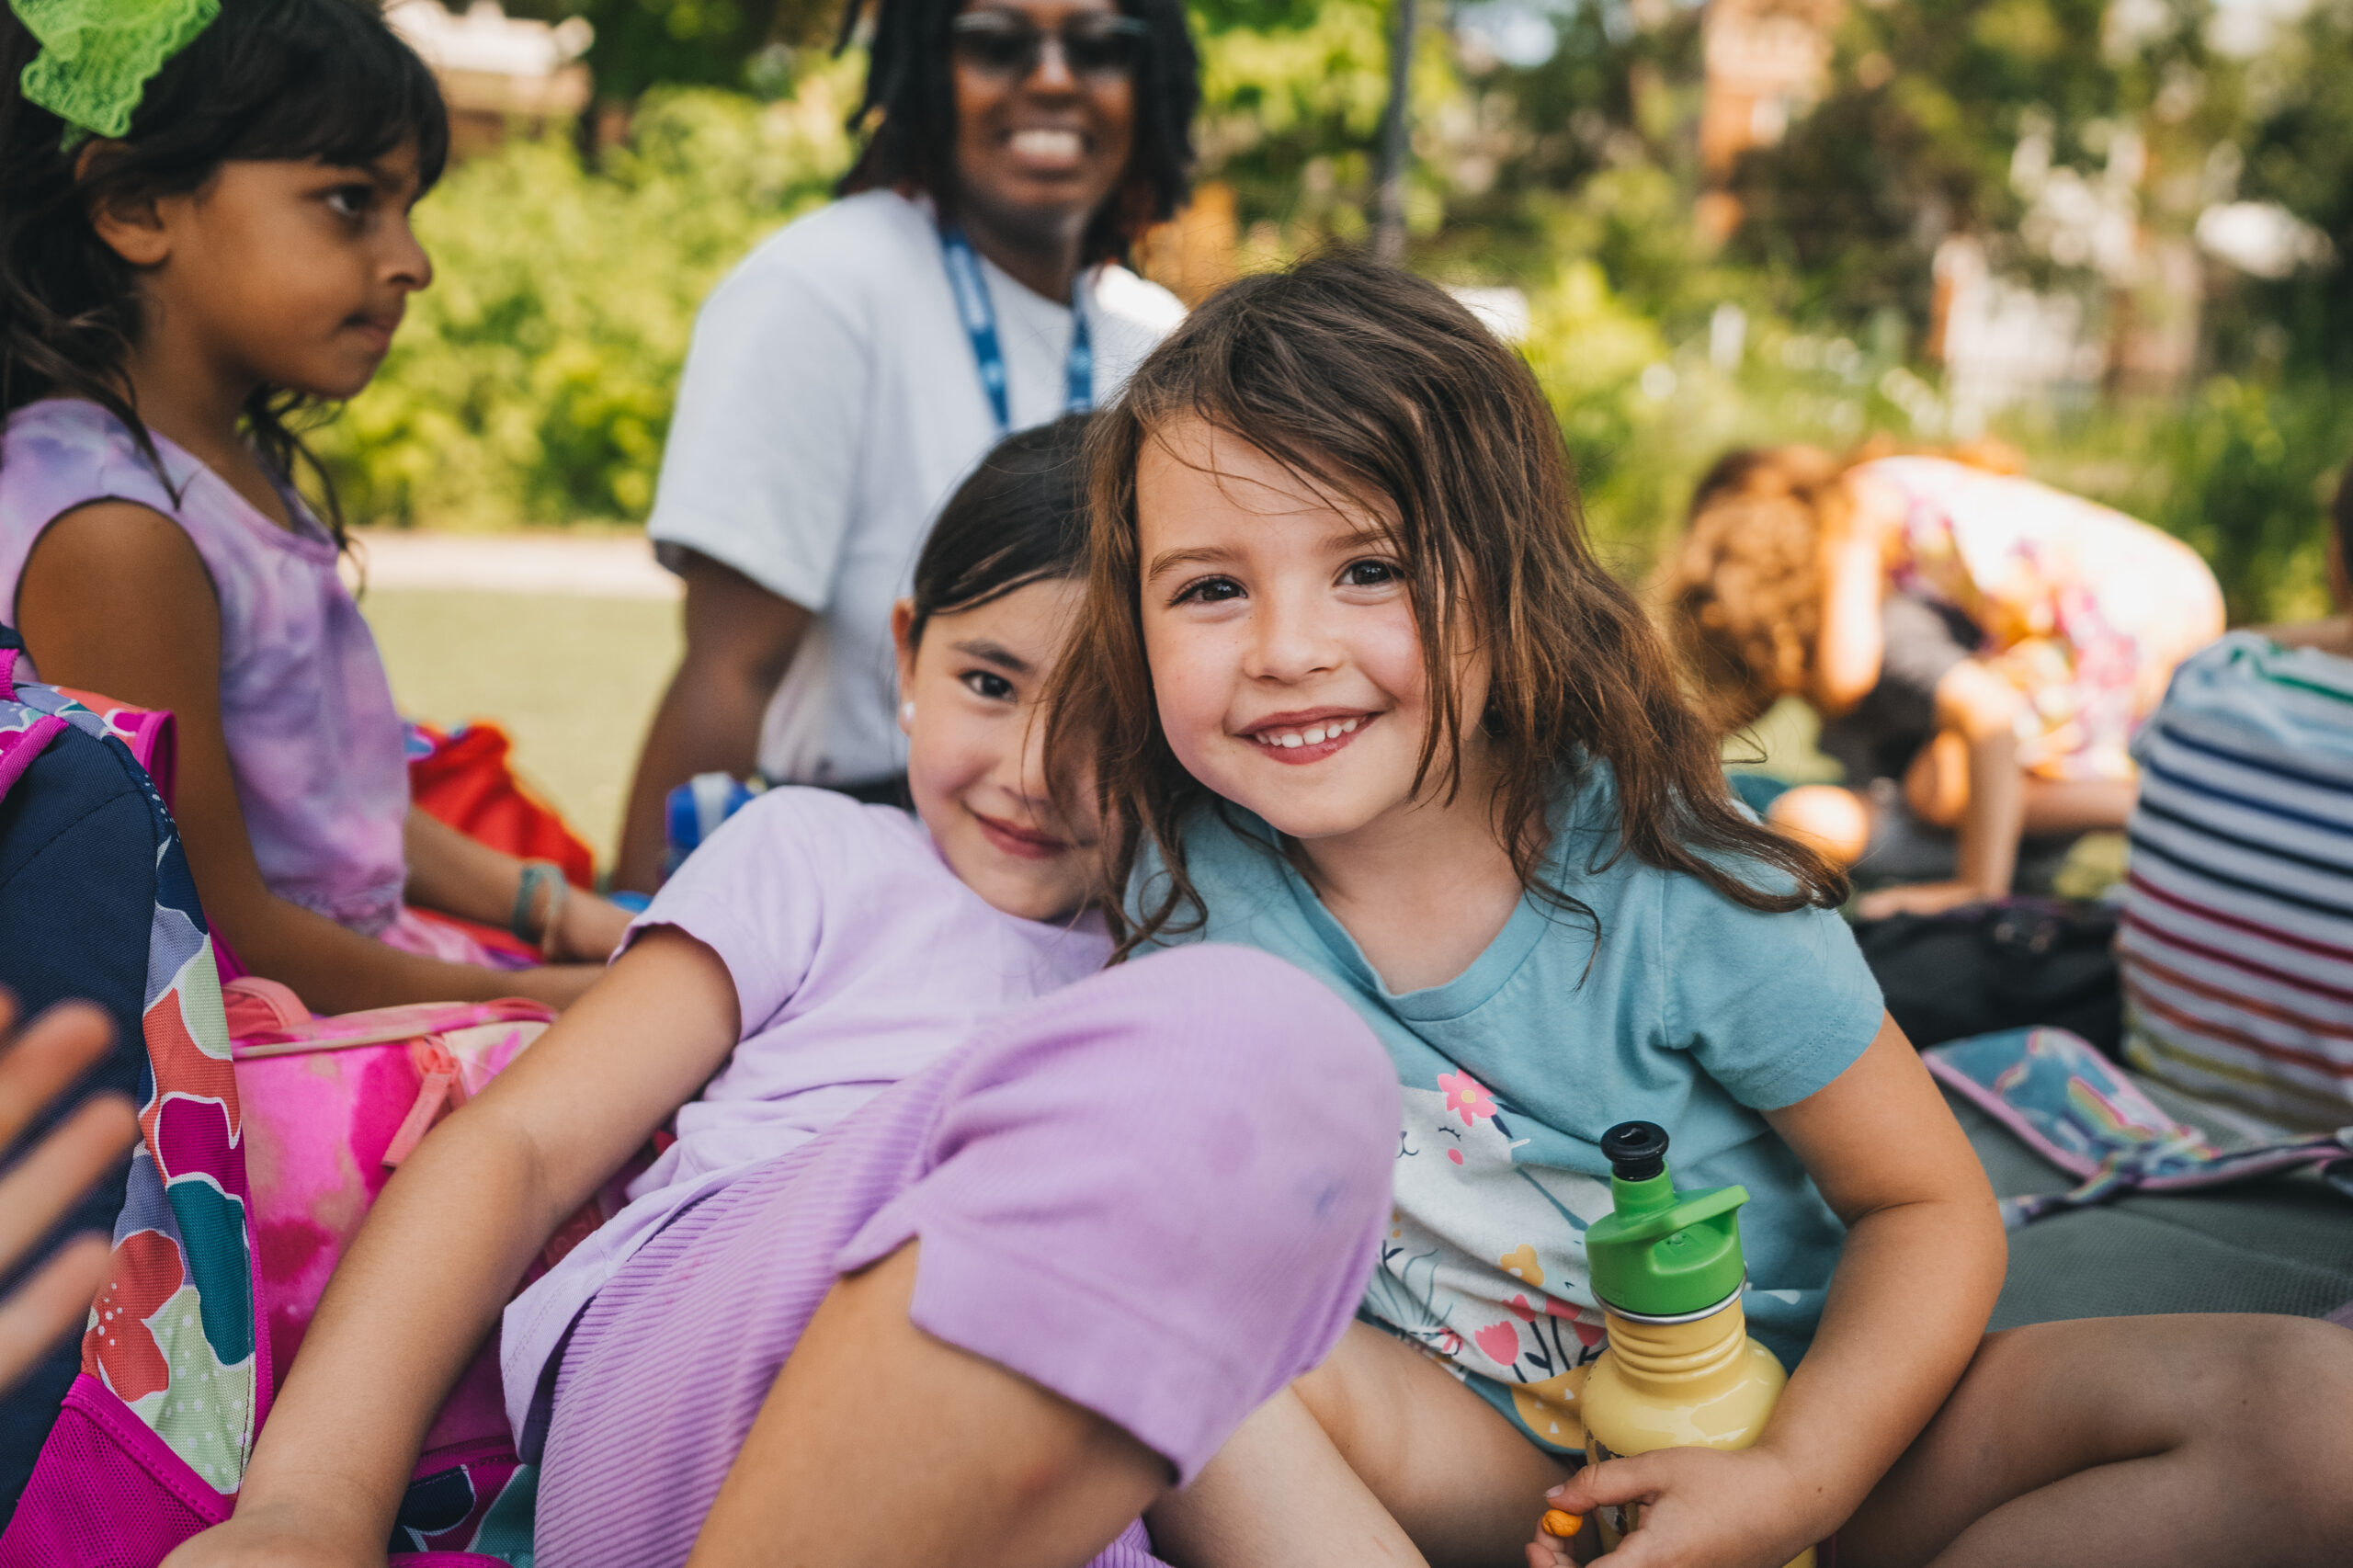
573,679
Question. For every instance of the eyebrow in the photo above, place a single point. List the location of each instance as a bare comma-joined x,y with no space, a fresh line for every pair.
995,653
1169,561
1359,537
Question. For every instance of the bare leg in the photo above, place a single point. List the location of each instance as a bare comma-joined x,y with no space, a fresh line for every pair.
1833,822
2133,1442
2078,805
1279,1495
1379,1429
879,1445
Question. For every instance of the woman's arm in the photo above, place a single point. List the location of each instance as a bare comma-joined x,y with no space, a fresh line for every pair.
458,876
740,640
1915,1282
114,599
433,1267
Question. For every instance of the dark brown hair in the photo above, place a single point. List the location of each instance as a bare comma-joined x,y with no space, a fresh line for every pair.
1371,384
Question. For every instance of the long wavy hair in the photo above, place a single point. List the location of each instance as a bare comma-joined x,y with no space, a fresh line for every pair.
269,79
908,115
1368,382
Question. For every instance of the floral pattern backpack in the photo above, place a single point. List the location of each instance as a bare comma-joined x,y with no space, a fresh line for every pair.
260,1152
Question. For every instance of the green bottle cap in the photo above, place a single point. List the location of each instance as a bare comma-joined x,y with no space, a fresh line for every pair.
1662,1254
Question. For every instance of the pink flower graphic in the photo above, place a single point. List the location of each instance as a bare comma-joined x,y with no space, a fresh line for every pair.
1449,1342
1517,1307
1465,1098
1500,1341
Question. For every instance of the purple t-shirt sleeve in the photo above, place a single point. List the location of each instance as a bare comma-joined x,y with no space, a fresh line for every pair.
753,895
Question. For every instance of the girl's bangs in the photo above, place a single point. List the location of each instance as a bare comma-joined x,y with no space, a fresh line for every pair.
352,104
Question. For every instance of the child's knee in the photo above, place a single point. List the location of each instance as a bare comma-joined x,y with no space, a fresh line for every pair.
1834,821
1936,784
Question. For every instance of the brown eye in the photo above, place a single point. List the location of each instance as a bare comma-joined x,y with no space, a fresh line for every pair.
1368,574
989,684
1209,591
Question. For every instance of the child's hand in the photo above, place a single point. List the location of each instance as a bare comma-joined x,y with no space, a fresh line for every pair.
1701,1508
588,929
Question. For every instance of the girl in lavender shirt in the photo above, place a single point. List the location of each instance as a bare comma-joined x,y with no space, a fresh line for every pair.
965,1253
165,297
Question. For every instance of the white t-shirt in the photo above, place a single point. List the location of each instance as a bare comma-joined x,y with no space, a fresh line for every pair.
830,405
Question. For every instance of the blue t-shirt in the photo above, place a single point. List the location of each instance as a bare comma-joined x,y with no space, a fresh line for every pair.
1690,1011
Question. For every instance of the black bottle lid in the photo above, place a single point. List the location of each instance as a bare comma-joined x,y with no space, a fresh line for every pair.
1636,1150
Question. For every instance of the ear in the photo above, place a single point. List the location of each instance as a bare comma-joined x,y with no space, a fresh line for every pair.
130,226
902,625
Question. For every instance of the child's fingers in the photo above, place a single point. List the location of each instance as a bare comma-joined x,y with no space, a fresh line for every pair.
61,1167
1634,1480
59,1047
50,1304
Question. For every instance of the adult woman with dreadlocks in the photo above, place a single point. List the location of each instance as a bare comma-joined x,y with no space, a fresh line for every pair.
854,366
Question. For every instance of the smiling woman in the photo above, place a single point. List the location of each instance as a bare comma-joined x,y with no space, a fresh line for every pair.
852,369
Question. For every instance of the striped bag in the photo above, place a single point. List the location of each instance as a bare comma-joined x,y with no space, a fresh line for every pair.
2237,944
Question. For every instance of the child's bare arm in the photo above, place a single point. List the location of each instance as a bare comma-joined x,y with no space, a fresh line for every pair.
1851,641
116,600
454,874
1914,1285
433,1267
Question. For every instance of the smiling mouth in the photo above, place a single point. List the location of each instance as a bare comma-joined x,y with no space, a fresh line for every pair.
1310,738
1041,144
1027,843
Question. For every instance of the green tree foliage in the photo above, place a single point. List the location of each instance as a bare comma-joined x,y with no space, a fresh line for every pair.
533,382
1920,134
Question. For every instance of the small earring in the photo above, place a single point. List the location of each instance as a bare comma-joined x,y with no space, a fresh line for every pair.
907,711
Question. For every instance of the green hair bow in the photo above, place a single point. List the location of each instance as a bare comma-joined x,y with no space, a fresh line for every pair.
96,56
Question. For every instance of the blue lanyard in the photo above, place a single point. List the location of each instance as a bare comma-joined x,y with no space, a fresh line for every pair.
972,303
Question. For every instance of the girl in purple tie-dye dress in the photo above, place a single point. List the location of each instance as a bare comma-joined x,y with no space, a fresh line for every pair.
166,297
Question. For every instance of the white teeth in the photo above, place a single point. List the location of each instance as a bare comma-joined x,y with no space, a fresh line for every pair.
1315,735
1047,143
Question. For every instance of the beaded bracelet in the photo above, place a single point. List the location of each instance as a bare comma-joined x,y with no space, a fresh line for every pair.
538,874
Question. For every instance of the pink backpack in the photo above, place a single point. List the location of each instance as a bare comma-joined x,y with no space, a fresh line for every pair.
266,1135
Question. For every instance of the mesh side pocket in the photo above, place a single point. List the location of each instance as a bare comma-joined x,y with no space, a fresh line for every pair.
105,1492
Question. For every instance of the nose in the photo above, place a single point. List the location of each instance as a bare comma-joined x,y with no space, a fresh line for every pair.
1289,638
1052,73
408,267
1025,774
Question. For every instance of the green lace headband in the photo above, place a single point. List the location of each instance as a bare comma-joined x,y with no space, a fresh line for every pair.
96,56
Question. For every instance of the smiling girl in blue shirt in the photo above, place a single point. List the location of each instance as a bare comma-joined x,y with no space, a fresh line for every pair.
1367,699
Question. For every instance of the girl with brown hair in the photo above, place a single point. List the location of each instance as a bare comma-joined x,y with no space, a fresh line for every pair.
1980,648
1355,690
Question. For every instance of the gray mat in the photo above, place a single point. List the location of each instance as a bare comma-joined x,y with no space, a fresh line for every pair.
2277,1245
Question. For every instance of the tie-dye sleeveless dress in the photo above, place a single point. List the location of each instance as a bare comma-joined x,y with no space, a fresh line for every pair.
2085,611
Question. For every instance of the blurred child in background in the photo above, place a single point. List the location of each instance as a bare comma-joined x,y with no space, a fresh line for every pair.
1980,648
184,263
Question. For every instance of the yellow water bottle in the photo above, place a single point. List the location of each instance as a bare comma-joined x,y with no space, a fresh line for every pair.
1680,1370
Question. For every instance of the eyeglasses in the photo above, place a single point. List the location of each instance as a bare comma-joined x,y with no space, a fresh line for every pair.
995,43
